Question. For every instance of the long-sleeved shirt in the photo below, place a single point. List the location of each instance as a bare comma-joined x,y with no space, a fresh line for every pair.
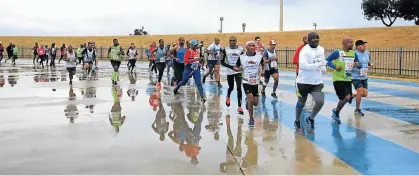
346,61
295,60
312,64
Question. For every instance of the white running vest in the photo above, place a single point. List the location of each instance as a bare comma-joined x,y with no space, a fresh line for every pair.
131,53
232,57
250,68
71,60
89,55
273,61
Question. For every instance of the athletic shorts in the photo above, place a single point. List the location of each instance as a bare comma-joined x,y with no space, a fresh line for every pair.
304,89
360,83
211,63
88,62
253,89
342,89
269,73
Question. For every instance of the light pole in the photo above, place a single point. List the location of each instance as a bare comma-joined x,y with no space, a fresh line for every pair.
244,27
315,25
281,18
221,21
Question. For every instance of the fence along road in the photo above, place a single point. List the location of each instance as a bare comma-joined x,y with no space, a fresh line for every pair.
402,61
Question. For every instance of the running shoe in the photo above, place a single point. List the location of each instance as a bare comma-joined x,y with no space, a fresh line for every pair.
310,123
358,112
228,102
297,125
274,95
240,111
251,122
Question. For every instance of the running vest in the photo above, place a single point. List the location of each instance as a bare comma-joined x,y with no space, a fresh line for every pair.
180,53
161,54
132,53
80,52
89,56
232,57
346,61
273,61
214,48
250,68
194,55
259,49
15,51
71,60
115,53
53,51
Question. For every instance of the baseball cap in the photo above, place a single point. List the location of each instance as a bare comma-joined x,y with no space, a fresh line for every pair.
272,42
257,38
194,42
250,42
360,42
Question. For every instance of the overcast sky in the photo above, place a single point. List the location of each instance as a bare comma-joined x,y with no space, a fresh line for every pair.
120,17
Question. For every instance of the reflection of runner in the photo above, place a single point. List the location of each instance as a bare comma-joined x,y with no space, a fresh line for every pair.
132,91
231,148
115,118
160,125
250,160
154,100
71,111
90,93
2,81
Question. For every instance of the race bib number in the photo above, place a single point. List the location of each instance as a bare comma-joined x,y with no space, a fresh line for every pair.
115,57
252,81
194,66
364,72
162,59
274,64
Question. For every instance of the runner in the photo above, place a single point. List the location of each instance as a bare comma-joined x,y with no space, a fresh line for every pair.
53,55
1,52
70,63
152,53
35,53
271,68
132,57
48,55
214,61
342,61
63,49
360,76
201,55
9,51
249,63
15,53
259,49
232,53
295,60
115,53
178,53
42,53
161,54
309,80
79,53
89,55
191,60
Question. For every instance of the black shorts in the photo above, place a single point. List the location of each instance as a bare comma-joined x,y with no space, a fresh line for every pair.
253,89
360,83
342,89
211,63
269,73
88,62
304,89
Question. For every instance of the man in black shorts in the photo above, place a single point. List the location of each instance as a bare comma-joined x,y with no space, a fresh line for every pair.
271,68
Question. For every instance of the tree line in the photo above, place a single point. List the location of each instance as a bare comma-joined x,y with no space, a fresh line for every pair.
388,11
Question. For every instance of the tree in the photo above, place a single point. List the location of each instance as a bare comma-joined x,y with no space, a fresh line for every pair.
385,10
409,10
140,31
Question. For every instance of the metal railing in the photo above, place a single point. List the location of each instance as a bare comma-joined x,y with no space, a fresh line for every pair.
403,61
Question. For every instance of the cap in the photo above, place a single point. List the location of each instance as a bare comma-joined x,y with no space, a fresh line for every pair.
272,42
360,42
250,42
194,42
257,38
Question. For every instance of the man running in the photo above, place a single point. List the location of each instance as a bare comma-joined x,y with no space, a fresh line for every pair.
9,51
178,53
132,57
70,62
271,68
15,53
191,61
201,54
309,80
259,49
232,53
250,63
1,51
152,53
114,53
213,60
53,54
161,54
342,61
89,55
79,53
296,59
35,53
360,76
63,49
